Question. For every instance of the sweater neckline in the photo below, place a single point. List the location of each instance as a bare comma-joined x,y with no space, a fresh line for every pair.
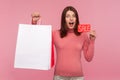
71,31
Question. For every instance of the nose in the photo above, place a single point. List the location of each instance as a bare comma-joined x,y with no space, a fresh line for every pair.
71,18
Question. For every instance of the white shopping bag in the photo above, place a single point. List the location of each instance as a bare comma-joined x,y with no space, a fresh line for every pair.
33,47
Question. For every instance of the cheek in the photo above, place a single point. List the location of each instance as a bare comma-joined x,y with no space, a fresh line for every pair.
75,19
67,20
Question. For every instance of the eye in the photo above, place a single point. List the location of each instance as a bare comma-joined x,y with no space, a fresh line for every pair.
74,16
67,16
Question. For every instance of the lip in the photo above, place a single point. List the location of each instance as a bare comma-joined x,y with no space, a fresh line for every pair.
71,23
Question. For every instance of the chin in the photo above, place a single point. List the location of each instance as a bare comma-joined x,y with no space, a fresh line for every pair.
70,27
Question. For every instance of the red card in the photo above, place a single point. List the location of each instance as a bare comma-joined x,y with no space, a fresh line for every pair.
84,27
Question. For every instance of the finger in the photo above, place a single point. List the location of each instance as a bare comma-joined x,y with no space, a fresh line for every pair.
35,14
93,33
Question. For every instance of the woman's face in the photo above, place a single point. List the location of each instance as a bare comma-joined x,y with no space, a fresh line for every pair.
70,19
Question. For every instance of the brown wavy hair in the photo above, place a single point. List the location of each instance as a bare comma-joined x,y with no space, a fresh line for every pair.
63,29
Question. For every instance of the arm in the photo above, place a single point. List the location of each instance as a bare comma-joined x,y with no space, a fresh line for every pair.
88,47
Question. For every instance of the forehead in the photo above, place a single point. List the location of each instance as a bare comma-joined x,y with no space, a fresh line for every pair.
69,12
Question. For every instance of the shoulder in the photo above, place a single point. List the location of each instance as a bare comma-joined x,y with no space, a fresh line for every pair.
84,34
55,32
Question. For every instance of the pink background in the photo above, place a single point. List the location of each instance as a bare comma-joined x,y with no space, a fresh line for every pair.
103,15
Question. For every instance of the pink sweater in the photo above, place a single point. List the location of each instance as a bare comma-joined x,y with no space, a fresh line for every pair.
68,51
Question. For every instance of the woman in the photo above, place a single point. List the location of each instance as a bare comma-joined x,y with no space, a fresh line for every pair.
69,44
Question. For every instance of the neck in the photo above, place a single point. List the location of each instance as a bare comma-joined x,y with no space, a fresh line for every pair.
70,30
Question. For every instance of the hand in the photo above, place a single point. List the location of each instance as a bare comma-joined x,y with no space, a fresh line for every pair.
92,34
35,17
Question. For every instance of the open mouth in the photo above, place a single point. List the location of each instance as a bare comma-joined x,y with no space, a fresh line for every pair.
71,23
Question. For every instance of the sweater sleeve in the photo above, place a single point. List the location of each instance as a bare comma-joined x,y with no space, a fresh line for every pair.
88,48
52,51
